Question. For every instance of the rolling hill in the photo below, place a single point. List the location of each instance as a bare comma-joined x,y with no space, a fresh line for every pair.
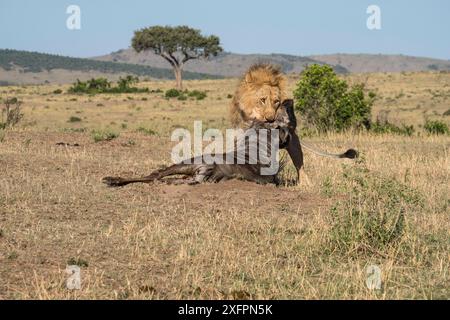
232,64
358,63
23,67
225,64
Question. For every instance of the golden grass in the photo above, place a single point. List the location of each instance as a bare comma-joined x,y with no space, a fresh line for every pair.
234,240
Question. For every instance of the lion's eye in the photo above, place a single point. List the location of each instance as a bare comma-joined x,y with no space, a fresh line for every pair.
263,100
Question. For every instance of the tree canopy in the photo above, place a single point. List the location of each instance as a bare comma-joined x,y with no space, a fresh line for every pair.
177,45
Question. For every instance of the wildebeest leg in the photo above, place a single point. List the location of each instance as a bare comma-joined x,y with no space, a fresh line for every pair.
189,181
185,169
294,149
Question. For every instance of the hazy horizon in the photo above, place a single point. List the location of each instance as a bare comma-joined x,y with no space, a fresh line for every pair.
410,28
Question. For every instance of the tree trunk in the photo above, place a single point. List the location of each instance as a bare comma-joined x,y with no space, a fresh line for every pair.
178,77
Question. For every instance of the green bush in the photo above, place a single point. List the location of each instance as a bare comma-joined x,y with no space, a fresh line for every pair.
385,128
57,91
172,93
328,103
436,127
146,131
199,95
182,95
74,119
447,113
102,85
103,135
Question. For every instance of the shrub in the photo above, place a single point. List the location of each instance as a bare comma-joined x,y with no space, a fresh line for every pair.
328,103
199,95
104,135
182,95
74,119
11,113
384,128
172,93
146,131
102,85
372,216
125,84
436,127
57,91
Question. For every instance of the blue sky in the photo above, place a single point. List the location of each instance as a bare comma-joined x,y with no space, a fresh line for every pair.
419,28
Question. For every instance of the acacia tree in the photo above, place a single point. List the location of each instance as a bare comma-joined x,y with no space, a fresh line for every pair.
177,45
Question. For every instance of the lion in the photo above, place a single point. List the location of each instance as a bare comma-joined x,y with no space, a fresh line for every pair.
258,96
261,91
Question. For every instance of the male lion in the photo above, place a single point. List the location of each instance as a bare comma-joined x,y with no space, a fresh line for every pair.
260,93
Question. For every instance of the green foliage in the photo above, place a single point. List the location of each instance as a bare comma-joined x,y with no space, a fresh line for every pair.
57,91
182,95
102,85
389,128
146,131
74,119
199,95
177,45
328,103
103,135
37,62
436,127
172,93
372,217
166,40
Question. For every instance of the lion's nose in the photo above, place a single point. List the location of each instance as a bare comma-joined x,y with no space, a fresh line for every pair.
270,117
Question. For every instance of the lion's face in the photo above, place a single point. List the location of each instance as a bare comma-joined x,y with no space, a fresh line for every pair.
262,104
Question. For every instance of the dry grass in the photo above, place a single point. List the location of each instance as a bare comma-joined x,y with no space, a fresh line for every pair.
233,240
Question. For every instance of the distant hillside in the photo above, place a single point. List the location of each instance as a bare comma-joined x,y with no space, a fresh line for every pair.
357,63
225,64
233,65
30,65
23,67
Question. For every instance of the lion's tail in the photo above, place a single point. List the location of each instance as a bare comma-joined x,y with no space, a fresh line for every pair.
349,154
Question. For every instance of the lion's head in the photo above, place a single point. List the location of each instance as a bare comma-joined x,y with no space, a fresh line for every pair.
259,94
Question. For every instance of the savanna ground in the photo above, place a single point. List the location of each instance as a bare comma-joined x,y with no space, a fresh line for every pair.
235,240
